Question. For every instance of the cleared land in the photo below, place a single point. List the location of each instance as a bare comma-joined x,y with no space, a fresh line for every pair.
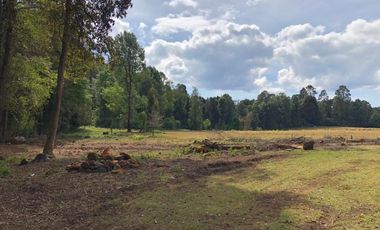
336,186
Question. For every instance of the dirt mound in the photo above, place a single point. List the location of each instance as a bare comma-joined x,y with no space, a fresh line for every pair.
104,162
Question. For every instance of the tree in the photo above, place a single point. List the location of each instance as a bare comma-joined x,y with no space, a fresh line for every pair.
374,121
181,105
115,102
309,110
308,91
361,113
129,57
195,113
323,96
295,111
343,93
227,111
243,110
88,22
8,13
153,110
342,106
211,111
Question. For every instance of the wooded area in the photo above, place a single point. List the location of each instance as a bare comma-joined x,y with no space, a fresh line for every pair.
61,70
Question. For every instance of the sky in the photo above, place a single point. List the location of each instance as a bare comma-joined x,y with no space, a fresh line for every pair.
243,47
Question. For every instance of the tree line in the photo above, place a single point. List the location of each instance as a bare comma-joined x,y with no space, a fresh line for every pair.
60,69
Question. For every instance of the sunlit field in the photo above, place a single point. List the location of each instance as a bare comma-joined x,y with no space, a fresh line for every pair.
335,186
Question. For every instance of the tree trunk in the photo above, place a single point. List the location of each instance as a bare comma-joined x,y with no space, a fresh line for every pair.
4,121
5,60
129,97
53,127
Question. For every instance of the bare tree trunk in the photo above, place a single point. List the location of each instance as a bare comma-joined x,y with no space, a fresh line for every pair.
4,120
5,59
53,127
129,97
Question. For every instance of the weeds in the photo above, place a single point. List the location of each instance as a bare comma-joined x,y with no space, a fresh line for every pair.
4,169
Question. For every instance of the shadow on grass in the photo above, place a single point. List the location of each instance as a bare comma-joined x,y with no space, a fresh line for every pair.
138,199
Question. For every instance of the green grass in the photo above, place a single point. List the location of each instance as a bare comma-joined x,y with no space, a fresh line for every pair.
4,169
331,189
91,132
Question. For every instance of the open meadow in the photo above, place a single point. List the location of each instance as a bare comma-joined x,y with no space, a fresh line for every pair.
261,180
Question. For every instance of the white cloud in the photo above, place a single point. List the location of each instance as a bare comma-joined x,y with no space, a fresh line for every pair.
119,27
254,2
189,3
217,56
142,26
349,57
225,55
176,23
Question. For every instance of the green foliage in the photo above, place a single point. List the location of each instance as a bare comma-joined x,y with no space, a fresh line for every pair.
4,170
374,121
195,112
206,124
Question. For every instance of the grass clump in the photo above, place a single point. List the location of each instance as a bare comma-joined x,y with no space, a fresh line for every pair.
4,169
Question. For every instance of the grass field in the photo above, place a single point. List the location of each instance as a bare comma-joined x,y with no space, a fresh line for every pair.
332,187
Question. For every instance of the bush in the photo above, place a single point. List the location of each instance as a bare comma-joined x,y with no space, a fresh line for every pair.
170,123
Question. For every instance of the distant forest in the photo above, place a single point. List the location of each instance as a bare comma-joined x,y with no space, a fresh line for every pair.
108,84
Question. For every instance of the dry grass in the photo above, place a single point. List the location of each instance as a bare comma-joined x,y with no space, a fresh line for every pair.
316,133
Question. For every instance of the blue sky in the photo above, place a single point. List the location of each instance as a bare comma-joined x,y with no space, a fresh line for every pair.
244,47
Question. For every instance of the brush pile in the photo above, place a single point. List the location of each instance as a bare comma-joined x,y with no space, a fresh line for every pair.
104,162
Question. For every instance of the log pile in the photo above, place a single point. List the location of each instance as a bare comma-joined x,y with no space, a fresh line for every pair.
104,162
207,146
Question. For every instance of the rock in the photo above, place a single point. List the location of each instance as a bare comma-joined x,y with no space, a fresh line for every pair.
92,156
309,145
17,140
23,162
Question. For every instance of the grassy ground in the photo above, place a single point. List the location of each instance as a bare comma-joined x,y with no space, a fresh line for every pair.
323,189
328,188
180,136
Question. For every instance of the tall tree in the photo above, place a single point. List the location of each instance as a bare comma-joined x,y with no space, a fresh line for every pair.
227,111
128,56
8,13
153,110
342,106
195,113
181,105
88,23
309,110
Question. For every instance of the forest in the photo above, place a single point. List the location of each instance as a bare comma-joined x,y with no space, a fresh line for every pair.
59,74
